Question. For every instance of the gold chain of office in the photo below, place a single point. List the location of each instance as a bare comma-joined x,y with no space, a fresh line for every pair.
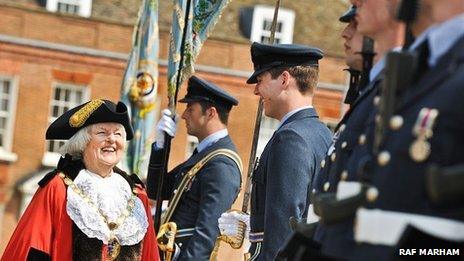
114,247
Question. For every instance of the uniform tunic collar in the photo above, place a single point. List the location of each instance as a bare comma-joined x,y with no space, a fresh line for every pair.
289,114
441,38
211,139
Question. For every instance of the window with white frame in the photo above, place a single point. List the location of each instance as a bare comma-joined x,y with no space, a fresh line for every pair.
267,128
78,7
262,21
192,143
64,97
8,95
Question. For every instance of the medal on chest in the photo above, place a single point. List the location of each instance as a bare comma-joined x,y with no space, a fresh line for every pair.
420,148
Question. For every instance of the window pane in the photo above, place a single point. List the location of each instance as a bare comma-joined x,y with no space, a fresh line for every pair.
279,27
57,94
65,97
56,111
68,8
4,106
6,87
265,39
78,98
267,25
2,123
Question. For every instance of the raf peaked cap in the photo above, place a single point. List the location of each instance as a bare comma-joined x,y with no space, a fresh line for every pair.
201,90
348,15
267,56
94,111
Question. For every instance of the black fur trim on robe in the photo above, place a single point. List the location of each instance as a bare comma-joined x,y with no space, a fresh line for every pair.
85,248
37,255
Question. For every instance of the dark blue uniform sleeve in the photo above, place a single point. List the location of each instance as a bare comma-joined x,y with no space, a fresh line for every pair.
219,186
290,167
155,168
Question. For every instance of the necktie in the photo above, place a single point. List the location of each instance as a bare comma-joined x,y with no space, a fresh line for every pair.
423,52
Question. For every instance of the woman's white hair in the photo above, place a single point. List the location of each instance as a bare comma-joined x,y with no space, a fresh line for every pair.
76,145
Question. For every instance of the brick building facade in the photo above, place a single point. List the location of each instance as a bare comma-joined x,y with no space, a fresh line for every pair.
50,60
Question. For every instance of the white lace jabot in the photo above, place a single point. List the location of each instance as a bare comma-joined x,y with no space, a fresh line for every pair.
110,195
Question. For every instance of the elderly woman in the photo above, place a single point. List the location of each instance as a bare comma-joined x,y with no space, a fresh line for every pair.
87,208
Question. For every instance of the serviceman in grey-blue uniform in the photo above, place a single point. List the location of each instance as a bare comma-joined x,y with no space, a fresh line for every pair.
215,187
285,78
418,175
348,156
397,191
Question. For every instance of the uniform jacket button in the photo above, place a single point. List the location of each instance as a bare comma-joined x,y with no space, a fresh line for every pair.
326,186
372,194
383,158
396,122
344,175
362,139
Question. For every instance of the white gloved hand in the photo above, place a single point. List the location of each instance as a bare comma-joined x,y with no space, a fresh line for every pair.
165,125
230,224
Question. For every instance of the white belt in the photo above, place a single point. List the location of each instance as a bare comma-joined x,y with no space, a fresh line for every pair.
386,227
346,189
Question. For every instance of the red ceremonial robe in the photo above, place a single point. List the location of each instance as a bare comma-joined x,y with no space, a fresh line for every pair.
46,227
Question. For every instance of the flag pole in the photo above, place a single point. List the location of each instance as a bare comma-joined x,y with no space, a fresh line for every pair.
172,107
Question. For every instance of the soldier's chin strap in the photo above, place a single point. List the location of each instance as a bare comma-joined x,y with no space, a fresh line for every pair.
368,54
353,89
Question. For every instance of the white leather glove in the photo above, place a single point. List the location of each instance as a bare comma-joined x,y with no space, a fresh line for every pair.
165,125
229,224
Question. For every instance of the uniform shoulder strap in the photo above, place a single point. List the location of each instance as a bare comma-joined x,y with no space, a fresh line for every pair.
192,172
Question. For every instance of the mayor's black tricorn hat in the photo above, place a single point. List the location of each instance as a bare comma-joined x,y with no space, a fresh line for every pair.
348,15
94,111
201,90
267,56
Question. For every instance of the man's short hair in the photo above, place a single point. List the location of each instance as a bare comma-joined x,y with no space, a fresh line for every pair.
306,77
222,112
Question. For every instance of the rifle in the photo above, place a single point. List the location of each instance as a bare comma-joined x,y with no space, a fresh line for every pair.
400,68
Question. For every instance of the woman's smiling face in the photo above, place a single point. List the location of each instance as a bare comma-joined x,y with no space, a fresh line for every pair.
106,146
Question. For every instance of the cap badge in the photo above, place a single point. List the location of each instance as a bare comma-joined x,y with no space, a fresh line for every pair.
79,117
